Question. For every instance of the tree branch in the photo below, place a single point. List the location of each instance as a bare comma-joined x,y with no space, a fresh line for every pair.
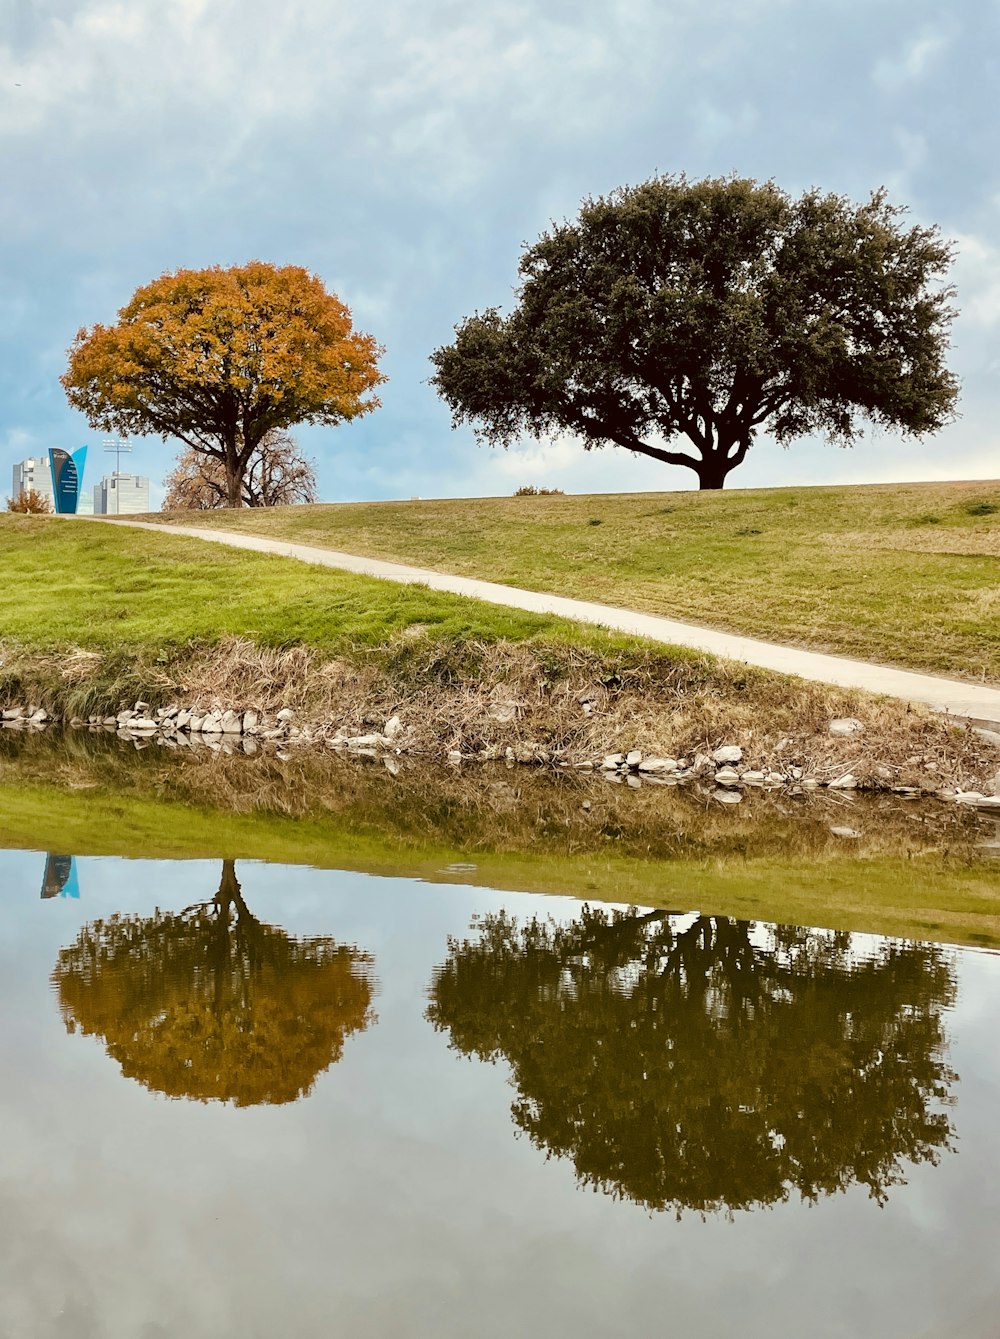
642,448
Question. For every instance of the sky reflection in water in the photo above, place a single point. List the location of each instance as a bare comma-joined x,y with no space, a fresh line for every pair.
344,1166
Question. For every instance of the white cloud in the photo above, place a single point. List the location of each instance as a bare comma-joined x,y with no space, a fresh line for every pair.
977,278
418,82
912,150
720,125
910,64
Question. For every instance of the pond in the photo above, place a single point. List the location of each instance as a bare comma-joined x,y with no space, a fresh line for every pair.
244,1096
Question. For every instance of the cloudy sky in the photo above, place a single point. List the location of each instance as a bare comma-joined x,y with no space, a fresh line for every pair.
406,151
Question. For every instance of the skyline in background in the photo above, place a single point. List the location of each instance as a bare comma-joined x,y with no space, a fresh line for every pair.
406,155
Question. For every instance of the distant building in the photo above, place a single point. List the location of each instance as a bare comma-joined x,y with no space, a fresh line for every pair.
34,473
121,495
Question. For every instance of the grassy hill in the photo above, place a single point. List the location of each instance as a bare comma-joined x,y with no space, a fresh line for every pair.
905,574
76,583
97,616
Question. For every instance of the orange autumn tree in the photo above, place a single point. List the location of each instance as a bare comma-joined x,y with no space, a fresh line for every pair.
213,1005
218,358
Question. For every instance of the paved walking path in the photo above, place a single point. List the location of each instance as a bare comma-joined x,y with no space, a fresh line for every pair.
970,700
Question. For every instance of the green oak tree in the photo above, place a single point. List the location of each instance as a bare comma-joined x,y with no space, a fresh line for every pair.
704,1063
678,319
211,1004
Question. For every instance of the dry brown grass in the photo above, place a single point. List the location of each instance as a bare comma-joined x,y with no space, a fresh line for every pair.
542,701
924,539
246,675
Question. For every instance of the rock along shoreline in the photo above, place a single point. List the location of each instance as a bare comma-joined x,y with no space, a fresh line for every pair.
728,766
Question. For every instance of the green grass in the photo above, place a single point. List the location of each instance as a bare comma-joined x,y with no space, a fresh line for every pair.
903,574
106,589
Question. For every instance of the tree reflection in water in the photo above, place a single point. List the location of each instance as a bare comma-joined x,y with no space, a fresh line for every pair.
211,1004
711,1065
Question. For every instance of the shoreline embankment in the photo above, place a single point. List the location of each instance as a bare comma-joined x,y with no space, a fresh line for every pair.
642,718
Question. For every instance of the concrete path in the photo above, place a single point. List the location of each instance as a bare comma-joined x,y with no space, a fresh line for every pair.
971,701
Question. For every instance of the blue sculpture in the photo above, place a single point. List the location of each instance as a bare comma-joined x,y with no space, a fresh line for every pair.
67,477
60,878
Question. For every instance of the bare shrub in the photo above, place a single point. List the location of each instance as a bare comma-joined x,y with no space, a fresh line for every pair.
30,503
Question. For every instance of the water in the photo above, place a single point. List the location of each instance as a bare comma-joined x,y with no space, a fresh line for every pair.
259,1099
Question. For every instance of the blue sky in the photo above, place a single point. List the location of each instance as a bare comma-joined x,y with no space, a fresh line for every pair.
406,151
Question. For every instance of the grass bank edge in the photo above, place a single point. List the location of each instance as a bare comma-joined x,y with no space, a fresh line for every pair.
922,898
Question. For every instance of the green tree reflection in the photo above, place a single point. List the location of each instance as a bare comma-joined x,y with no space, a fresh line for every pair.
211,1004
691,1066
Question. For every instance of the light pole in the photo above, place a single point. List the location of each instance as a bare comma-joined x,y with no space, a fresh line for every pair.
120,448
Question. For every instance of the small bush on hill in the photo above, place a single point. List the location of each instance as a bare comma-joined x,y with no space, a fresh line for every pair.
29,503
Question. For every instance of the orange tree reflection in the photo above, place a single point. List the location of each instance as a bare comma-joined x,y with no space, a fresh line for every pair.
211,1004
708,1064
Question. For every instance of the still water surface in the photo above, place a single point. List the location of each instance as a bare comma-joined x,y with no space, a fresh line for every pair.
263,1100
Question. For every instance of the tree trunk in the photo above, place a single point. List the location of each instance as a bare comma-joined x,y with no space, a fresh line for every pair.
713,470
234,486
235,465
230,894
717,460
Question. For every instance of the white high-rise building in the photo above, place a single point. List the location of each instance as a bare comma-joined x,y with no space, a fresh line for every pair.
34,473
121,495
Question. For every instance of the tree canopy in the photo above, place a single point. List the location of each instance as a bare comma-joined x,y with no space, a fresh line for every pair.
218,358
696,1064
210,1004
276,475
709,311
